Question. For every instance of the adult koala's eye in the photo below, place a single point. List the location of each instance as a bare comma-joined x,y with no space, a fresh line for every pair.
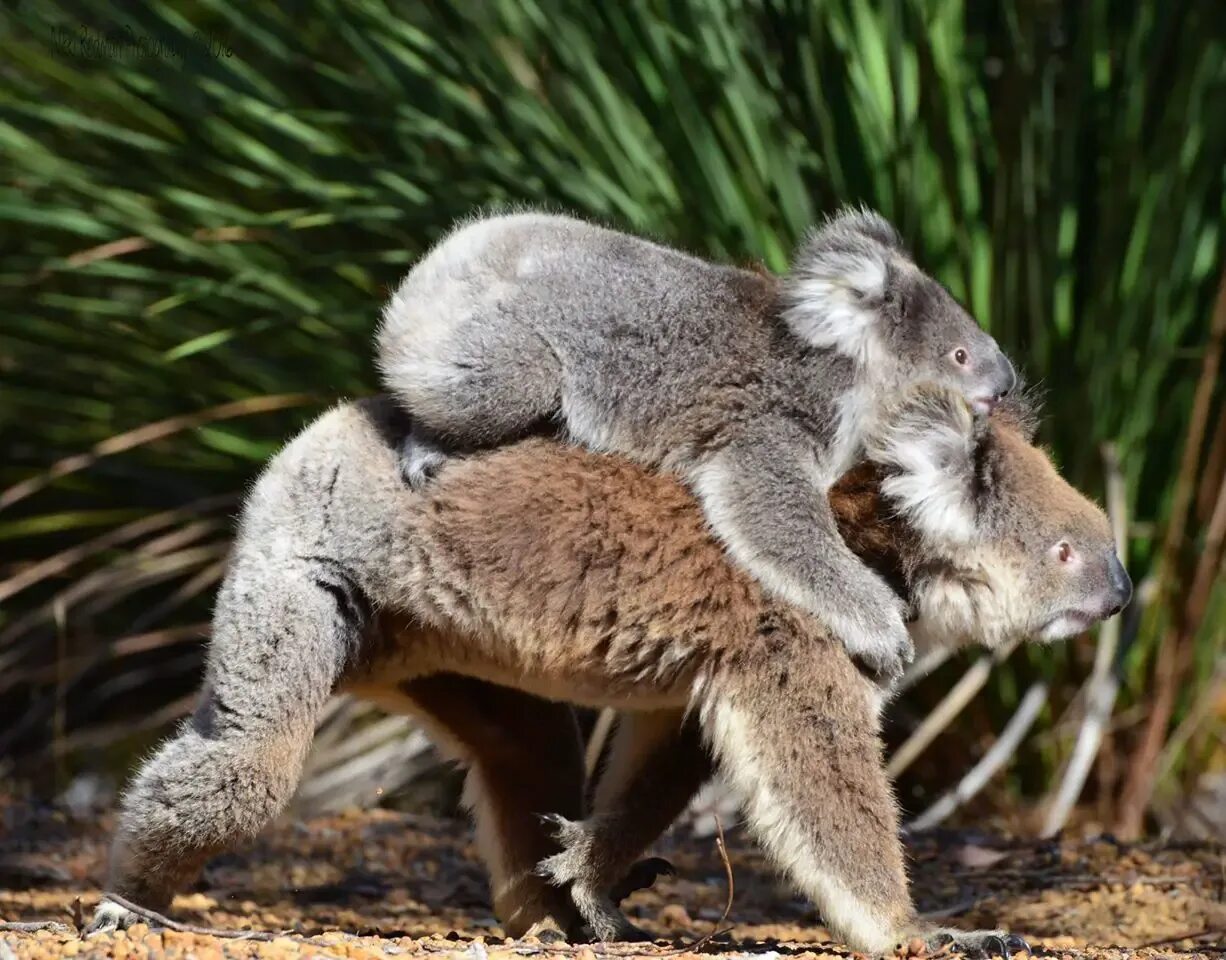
1064,552
960,357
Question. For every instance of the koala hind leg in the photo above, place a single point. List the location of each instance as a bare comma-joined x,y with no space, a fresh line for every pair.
656,765
421,455
281,633
525,759
476,381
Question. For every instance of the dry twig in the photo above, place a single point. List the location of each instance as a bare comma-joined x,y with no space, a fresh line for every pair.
148,433
1169,665
1194,935
719,927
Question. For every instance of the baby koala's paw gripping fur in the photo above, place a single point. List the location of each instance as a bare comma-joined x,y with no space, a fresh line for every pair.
109,917
576,867
978,944
420,458
874,632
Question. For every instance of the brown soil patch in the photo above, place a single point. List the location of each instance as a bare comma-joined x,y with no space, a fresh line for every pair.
381,885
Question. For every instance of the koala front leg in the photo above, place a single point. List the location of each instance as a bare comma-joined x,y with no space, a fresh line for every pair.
793,727
765,496
656,765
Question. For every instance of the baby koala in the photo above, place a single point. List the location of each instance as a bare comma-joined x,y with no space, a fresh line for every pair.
757,390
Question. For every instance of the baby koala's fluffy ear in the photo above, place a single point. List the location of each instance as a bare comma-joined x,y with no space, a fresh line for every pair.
926,444
839,279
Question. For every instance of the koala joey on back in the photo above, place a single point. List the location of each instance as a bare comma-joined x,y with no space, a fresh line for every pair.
757,390
540,574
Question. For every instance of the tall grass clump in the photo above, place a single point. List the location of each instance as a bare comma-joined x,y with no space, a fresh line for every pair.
204,206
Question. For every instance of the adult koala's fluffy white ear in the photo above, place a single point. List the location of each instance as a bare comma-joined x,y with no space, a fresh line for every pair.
839,277
926,446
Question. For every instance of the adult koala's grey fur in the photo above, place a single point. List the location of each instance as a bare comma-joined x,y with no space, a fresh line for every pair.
542,573
757,390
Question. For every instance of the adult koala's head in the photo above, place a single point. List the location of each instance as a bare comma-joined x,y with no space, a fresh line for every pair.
995,545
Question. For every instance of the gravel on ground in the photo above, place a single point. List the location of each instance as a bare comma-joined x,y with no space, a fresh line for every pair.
379,884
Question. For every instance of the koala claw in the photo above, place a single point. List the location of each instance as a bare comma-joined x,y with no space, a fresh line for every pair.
883,647
109,917
572,863
979,944
575,867
887,662
420,459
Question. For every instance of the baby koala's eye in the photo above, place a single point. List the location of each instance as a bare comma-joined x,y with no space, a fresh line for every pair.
960,357
1064,552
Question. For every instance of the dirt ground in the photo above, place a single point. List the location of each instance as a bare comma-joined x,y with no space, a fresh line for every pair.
384,884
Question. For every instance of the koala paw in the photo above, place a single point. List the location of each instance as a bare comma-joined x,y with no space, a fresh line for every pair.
978,944
868,618
109,917
577,867
420,459
547,932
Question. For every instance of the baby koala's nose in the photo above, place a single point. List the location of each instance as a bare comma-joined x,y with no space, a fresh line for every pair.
1121,585
1007,379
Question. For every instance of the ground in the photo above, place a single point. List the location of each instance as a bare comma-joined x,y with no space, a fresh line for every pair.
381,884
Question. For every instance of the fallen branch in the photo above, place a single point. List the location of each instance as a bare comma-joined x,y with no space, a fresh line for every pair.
156,919
14,926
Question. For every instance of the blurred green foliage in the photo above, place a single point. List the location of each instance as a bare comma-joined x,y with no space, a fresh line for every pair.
207,202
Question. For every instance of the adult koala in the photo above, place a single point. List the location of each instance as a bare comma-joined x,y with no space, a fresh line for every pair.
541,573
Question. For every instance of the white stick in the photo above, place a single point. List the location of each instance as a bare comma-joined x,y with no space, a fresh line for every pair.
996,757
960,694
1104,684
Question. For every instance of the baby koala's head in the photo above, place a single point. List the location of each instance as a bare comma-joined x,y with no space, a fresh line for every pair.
985,537
855,290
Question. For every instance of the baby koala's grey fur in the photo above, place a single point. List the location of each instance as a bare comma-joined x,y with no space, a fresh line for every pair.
757,390
541,573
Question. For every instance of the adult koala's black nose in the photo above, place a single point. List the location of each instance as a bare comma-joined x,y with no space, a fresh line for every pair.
1121,585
